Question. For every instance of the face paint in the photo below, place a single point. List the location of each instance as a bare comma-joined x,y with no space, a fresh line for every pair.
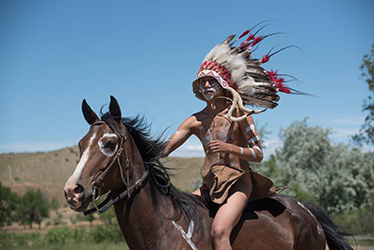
211,91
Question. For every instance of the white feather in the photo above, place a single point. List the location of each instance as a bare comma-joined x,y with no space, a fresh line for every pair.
238,66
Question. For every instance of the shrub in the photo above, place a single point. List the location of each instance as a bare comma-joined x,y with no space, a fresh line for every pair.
58,236
15,240
110,233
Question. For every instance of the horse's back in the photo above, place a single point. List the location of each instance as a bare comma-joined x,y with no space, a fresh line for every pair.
278,222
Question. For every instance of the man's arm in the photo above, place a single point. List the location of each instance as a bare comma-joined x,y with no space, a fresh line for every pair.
254,150
176,140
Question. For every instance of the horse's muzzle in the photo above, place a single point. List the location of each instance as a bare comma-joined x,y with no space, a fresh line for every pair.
75,197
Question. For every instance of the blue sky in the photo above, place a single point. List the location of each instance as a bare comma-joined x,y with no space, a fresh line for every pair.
53,54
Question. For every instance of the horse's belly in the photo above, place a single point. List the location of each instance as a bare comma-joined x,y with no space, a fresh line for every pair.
277,223
264,234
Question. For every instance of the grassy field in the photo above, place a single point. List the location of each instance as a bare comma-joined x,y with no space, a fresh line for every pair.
74,246
83,240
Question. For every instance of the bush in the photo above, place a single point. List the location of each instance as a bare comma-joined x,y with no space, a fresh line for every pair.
97,234
58,236
357,221
109,233
58,219
14,240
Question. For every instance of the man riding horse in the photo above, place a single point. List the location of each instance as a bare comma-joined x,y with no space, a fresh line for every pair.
119,155
228,79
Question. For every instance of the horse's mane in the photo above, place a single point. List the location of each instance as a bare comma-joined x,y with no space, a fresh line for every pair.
150,149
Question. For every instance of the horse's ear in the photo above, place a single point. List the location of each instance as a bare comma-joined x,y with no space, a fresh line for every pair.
114,109
88,113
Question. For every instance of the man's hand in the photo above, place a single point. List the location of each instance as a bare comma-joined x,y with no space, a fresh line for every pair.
217,146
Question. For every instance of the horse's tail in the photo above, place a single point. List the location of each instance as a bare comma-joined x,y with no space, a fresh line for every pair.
334,235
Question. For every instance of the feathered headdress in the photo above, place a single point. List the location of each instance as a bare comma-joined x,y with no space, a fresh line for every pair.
240,74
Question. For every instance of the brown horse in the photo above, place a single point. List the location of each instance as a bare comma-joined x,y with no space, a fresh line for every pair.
118,155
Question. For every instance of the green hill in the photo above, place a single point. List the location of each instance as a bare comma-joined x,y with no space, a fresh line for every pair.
49,171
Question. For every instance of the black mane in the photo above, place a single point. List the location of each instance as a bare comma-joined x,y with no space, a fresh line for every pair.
150,149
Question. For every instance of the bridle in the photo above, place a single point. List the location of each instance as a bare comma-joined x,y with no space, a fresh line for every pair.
98,183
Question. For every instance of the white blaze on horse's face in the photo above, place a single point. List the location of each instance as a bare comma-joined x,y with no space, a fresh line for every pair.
74,189
83,160
108,144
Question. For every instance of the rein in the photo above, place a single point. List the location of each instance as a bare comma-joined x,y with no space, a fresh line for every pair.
97,184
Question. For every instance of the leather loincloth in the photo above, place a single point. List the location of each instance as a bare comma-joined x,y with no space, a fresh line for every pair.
221,179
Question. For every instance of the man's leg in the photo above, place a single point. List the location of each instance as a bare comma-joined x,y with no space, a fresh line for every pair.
197,192
227,217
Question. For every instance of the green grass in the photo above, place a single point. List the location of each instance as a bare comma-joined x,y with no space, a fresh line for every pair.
74,246
97,237
361,243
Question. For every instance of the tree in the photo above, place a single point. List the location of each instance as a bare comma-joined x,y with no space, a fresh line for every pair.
337,177
8,205
33,208
90,218
54,204
366,133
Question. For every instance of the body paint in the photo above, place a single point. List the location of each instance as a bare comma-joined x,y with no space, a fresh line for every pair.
187,236
250,128
253,139
253,153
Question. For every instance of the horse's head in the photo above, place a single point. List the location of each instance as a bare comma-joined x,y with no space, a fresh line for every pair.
100,158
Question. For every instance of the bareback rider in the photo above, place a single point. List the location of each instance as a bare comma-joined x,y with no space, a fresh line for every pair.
228,79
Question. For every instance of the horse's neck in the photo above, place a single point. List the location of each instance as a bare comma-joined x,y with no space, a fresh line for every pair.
138,217
145,217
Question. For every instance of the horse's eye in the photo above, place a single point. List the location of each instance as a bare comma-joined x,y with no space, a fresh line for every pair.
110,144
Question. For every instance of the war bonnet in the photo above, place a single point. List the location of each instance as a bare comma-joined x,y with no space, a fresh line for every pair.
242,75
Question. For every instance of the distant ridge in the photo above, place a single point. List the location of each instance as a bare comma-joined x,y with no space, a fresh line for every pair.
49,171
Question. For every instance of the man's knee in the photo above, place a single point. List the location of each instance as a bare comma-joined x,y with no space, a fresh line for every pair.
219,232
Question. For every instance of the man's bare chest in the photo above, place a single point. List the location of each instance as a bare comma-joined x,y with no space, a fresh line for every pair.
216,128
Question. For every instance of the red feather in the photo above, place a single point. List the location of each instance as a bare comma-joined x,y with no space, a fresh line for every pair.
250,37
265,58
207,66
257,40
244,33
234,86
273,73
202,65
212,66
244,45
281,88
285,90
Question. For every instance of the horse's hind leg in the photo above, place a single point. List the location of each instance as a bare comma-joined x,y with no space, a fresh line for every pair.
309,232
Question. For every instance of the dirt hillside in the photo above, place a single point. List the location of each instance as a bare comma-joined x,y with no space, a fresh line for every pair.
49,171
